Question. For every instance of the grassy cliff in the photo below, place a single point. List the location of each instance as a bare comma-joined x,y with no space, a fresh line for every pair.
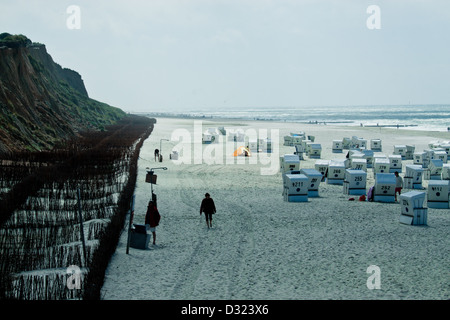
42,103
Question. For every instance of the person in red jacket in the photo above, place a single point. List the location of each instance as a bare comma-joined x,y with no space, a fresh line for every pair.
152,218
208,208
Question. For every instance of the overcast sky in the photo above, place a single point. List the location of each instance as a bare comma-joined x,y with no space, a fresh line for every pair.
160,55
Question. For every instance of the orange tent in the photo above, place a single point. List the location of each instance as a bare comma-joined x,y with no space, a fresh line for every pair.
242,151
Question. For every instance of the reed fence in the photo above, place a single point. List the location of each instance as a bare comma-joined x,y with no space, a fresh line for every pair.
40,232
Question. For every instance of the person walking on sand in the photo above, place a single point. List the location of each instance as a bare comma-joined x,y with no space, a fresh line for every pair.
156,155
398,184
152,218
209,208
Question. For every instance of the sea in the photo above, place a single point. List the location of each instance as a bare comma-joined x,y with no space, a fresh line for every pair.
418,117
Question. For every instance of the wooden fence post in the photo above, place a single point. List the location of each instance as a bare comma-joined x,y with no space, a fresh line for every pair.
81,227
131,222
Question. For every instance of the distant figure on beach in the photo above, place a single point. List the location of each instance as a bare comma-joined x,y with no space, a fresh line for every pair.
152,218
398,184
209,208
156,155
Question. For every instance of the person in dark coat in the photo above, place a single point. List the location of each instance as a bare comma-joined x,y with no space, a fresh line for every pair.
152,218
208,208
398,184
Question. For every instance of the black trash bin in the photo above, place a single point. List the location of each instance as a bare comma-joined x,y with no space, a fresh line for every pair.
139,237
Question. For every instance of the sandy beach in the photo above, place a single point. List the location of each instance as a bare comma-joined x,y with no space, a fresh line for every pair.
262,247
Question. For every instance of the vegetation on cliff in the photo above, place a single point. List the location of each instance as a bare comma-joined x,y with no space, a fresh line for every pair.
42,103
14,41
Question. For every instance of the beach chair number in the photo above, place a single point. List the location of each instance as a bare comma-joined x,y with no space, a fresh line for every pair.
358,178
297,184
386,188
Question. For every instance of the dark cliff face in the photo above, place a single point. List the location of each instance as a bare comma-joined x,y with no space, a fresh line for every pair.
39,53
41,102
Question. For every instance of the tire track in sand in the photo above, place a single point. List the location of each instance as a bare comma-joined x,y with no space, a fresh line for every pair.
243,264
189,270
225,252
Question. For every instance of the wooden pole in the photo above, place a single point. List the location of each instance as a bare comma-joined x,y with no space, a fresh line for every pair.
130,223
81,227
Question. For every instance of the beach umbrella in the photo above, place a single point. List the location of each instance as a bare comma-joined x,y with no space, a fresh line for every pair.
242,151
